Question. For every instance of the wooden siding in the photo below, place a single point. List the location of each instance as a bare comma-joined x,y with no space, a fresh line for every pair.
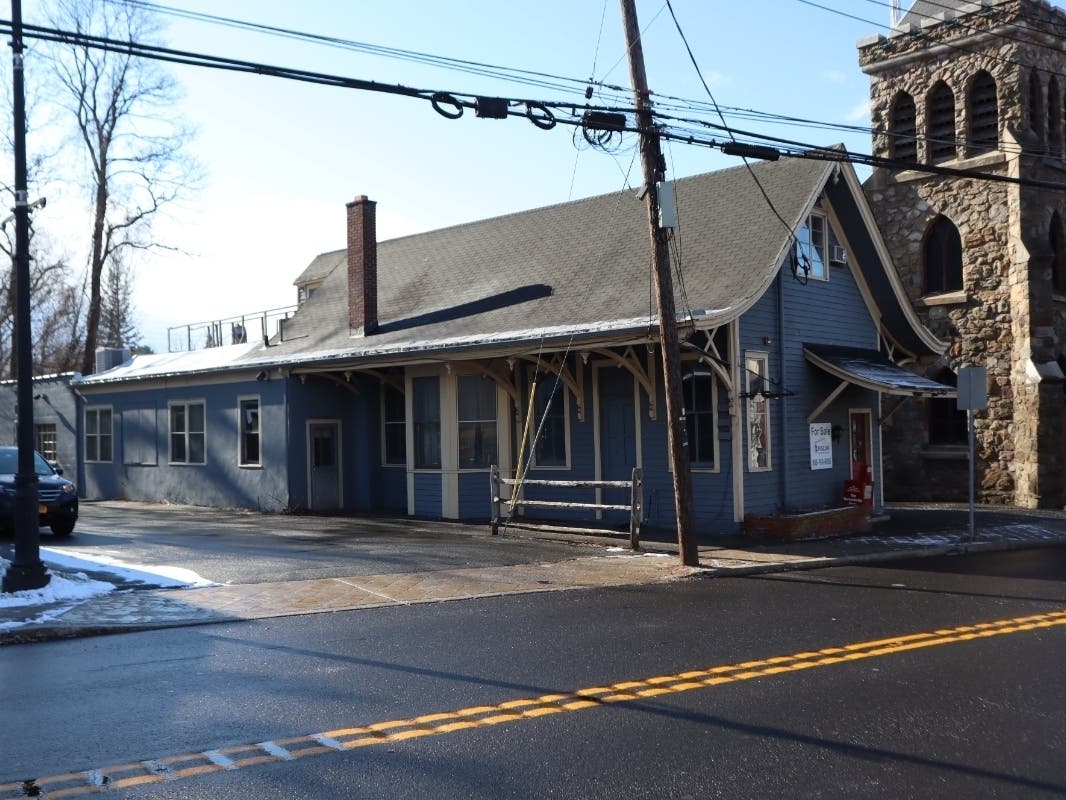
428,500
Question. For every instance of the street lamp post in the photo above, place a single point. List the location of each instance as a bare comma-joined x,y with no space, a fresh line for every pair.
26,570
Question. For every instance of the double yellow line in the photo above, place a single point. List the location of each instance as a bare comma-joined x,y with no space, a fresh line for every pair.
249,755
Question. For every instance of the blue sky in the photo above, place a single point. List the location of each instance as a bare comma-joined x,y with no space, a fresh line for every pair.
282,158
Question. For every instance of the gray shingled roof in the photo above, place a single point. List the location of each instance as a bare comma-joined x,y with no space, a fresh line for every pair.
580,265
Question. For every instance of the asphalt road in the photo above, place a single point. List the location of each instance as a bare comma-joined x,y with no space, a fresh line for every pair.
844,682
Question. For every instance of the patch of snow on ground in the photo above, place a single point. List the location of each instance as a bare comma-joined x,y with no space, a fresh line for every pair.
156,575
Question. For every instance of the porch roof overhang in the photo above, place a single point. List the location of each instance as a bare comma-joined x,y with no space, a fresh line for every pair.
870,369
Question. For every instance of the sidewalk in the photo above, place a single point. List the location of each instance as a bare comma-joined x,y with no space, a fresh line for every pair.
908,532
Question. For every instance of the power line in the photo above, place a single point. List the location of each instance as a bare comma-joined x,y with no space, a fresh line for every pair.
545,114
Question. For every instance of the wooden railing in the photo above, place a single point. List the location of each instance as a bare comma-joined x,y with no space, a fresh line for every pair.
635,507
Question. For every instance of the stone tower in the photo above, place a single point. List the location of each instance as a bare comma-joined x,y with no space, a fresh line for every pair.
977,88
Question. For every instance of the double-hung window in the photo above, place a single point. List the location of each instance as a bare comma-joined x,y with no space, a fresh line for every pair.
477,421
250,453
187,433
425,408
394,425
756,378
699,398
46,440
811,247
550,424
98,434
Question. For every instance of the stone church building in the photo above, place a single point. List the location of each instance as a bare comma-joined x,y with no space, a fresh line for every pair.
976,89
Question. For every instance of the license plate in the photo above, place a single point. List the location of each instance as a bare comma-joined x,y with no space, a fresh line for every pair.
42,509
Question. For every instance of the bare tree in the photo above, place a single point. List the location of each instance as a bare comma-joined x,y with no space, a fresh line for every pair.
133,144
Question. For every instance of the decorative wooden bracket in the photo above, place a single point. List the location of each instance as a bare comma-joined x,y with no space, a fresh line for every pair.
558,366
503,376
392,379
644,375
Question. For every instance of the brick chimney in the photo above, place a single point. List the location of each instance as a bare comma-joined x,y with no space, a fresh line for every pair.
362,266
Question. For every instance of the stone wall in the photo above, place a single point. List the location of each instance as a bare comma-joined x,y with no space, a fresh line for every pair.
1006,318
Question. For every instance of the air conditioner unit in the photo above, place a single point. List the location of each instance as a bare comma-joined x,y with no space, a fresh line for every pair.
838,256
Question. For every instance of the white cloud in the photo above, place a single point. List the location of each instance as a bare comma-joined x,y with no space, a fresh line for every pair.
859,112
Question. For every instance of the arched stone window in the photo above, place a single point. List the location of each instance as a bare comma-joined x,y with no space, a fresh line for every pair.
942,257
983,109
940,123
1054,119
902,128
1057,241
1036,106
947,424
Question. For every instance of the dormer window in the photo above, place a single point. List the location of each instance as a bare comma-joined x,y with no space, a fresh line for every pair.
305,290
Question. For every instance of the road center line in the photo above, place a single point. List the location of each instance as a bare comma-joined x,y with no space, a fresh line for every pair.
436,724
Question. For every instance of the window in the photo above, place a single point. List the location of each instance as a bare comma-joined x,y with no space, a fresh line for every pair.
1054,119
698,389
1036,106
984,114
98,434
942,257
394,425
947,424
550,422
1058,254
756,379
248,410
811,242
902,128
187,440
477,421
940,130
45,434
425,404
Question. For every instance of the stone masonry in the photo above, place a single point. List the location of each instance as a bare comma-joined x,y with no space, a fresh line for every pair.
1006,316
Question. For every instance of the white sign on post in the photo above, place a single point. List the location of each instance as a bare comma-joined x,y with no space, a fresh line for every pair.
821,445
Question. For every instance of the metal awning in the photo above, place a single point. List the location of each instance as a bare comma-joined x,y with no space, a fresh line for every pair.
869,369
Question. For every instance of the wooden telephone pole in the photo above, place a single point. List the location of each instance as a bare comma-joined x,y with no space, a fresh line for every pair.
651,159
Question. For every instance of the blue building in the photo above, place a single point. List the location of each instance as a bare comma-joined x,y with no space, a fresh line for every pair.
413,365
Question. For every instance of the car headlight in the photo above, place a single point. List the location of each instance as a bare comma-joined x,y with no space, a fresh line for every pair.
69,488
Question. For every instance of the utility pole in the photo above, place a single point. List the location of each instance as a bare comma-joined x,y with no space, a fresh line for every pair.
26,570
651,159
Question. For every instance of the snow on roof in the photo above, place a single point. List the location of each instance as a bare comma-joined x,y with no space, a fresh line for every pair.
162,364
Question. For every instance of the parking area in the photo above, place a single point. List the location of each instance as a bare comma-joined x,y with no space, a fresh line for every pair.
244,547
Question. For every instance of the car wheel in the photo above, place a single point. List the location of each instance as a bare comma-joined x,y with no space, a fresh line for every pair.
63,528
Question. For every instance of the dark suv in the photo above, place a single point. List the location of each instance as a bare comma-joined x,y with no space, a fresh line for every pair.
57,497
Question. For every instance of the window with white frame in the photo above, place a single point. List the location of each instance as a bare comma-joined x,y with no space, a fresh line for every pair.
756,379
45,434
250,454
477,421
550,416
98,434
187,433
812,241
701,424
425,410
394,425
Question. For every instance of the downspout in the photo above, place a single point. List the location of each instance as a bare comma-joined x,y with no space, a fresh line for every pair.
783,427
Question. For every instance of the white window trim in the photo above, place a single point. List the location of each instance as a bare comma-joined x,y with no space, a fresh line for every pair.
240,430
444,386
170,454
86,434
714,421
757,354
824,278
458,423
567,464
384,424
